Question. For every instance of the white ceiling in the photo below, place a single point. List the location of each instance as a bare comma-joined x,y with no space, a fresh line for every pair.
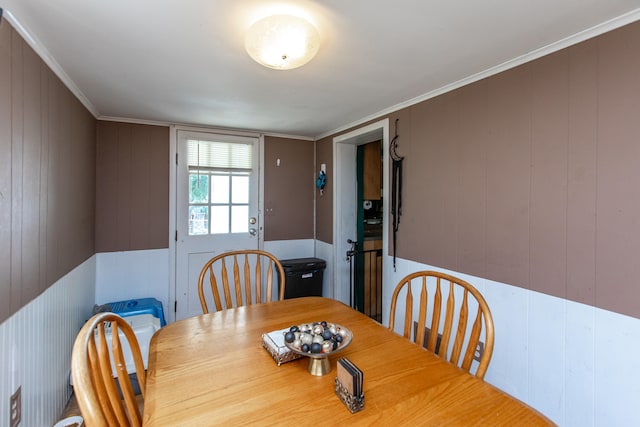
184,61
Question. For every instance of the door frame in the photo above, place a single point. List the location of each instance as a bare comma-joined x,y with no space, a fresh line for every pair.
173,182
343,207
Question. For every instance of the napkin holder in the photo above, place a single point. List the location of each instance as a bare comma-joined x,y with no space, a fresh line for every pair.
273,342
348,385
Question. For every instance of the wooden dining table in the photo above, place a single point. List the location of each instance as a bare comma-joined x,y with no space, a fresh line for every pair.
213,370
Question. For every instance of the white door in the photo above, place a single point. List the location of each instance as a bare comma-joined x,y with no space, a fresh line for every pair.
217,191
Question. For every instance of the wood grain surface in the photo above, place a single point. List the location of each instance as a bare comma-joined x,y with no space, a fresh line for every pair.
211,369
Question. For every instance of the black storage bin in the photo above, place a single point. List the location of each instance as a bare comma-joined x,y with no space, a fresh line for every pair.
303,277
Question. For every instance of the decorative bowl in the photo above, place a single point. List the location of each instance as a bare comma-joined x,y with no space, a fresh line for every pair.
322,339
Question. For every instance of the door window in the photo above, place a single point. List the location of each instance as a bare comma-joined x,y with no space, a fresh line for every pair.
219,187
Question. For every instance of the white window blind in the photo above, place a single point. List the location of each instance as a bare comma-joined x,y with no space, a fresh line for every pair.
220,155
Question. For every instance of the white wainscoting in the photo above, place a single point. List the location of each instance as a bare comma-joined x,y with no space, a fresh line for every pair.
288,249
325,251
36,345
133,274
575,363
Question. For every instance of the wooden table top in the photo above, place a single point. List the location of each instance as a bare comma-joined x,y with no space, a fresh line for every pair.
212,369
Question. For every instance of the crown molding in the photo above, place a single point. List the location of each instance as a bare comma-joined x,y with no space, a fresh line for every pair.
202,127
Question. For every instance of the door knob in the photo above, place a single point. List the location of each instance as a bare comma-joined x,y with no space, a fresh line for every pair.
253,231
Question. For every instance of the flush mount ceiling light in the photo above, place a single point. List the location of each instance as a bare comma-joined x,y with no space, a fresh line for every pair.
282,42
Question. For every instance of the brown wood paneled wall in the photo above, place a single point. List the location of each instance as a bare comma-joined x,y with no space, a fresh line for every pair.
324,203
530,177
132,177
288,189
47,176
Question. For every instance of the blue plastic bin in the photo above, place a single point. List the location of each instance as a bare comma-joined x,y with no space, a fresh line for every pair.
135,307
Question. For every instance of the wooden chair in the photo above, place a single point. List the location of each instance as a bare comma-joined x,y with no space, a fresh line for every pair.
446,308
247,270
92,364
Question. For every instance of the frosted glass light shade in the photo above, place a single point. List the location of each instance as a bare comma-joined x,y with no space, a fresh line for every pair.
282,42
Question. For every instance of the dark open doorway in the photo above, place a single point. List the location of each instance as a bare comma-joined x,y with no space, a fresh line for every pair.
367,259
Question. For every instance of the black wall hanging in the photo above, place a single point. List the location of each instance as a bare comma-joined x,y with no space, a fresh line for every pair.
396,188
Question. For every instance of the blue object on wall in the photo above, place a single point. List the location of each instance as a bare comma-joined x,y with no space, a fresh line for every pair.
321,181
